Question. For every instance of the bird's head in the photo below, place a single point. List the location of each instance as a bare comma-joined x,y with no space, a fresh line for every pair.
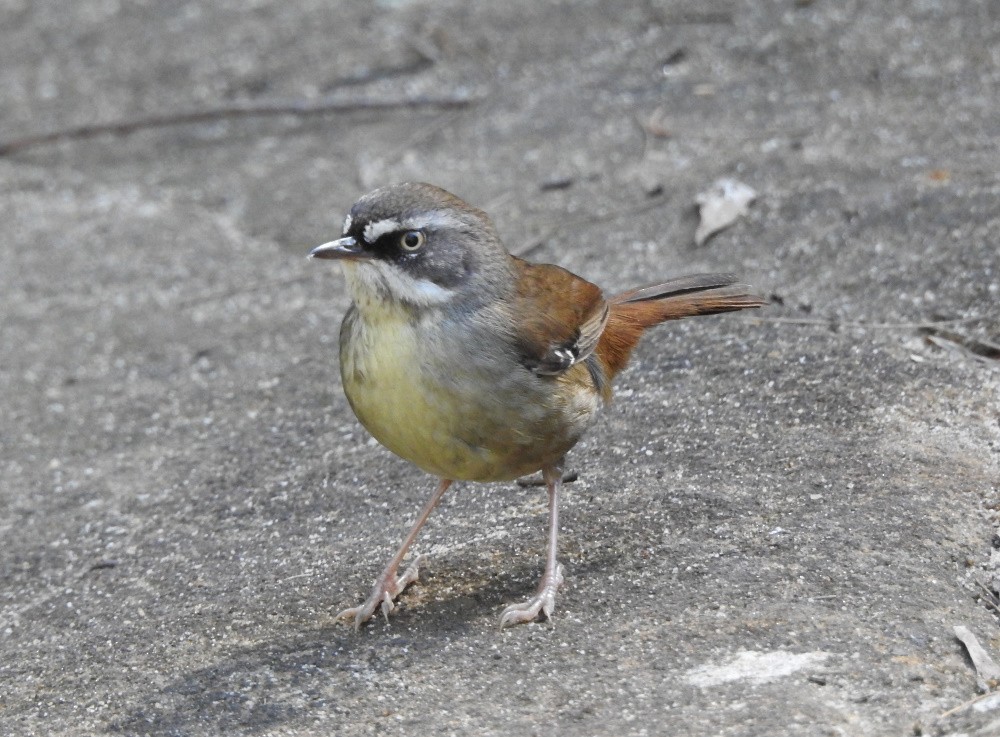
418,246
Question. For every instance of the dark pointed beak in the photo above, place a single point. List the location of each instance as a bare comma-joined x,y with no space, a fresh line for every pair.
342,248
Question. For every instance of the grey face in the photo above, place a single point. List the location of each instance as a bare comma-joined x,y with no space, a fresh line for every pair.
418,245
423,231
428,246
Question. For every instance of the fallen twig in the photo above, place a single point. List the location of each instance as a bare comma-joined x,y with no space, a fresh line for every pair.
981,348
528,481
989,596
987,671
965,705
302,108
834,322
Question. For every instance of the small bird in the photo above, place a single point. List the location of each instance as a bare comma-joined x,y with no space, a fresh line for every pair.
476,365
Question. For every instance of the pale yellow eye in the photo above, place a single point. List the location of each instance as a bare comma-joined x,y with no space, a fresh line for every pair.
412,240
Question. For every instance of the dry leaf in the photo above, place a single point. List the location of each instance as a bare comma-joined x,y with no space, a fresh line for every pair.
720,206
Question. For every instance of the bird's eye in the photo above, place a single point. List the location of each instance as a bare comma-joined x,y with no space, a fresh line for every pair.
412,240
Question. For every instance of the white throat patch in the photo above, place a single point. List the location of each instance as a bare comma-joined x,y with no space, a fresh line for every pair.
377,284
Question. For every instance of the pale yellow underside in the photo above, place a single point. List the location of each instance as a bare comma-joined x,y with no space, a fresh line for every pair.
423,397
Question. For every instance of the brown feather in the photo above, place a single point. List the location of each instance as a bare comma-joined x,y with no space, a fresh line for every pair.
637,309
556,309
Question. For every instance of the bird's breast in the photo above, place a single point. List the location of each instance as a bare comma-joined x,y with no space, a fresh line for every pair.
450,401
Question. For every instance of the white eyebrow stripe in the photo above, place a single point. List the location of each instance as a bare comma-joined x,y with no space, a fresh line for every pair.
374,231
433,220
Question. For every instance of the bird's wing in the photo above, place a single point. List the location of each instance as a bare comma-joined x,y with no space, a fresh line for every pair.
559,317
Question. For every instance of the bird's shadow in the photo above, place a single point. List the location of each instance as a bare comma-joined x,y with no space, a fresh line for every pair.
325,672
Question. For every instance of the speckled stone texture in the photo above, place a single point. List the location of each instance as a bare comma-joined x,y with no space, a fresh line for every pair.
776,525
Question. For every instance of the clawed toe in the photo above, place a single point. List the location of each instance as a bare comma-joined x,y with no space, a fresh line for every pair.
383,595
544,602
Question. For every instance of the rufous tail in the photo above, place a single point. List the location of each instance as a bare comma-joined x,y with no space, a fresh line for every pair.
637,309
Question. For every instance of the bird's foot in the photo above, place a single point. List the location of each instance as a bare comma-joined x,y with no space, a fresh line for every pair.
544,602
386,589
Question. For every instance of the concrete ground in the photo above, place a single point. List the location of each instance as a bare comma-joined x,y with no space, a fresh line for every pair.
777,524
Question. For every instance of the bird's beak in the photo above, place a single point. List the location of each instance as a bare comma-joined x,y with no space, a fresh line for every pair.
342,248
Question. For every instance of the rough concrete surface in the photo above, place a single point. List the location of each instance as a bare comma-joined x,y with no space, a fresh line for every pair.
777,524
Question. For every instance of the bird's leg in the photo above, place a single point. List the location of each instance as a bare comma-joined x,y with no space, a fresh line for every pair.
388,586
544,601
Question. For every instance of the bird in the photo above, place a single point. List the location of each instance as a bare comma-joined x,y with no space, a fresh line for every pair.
476,365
